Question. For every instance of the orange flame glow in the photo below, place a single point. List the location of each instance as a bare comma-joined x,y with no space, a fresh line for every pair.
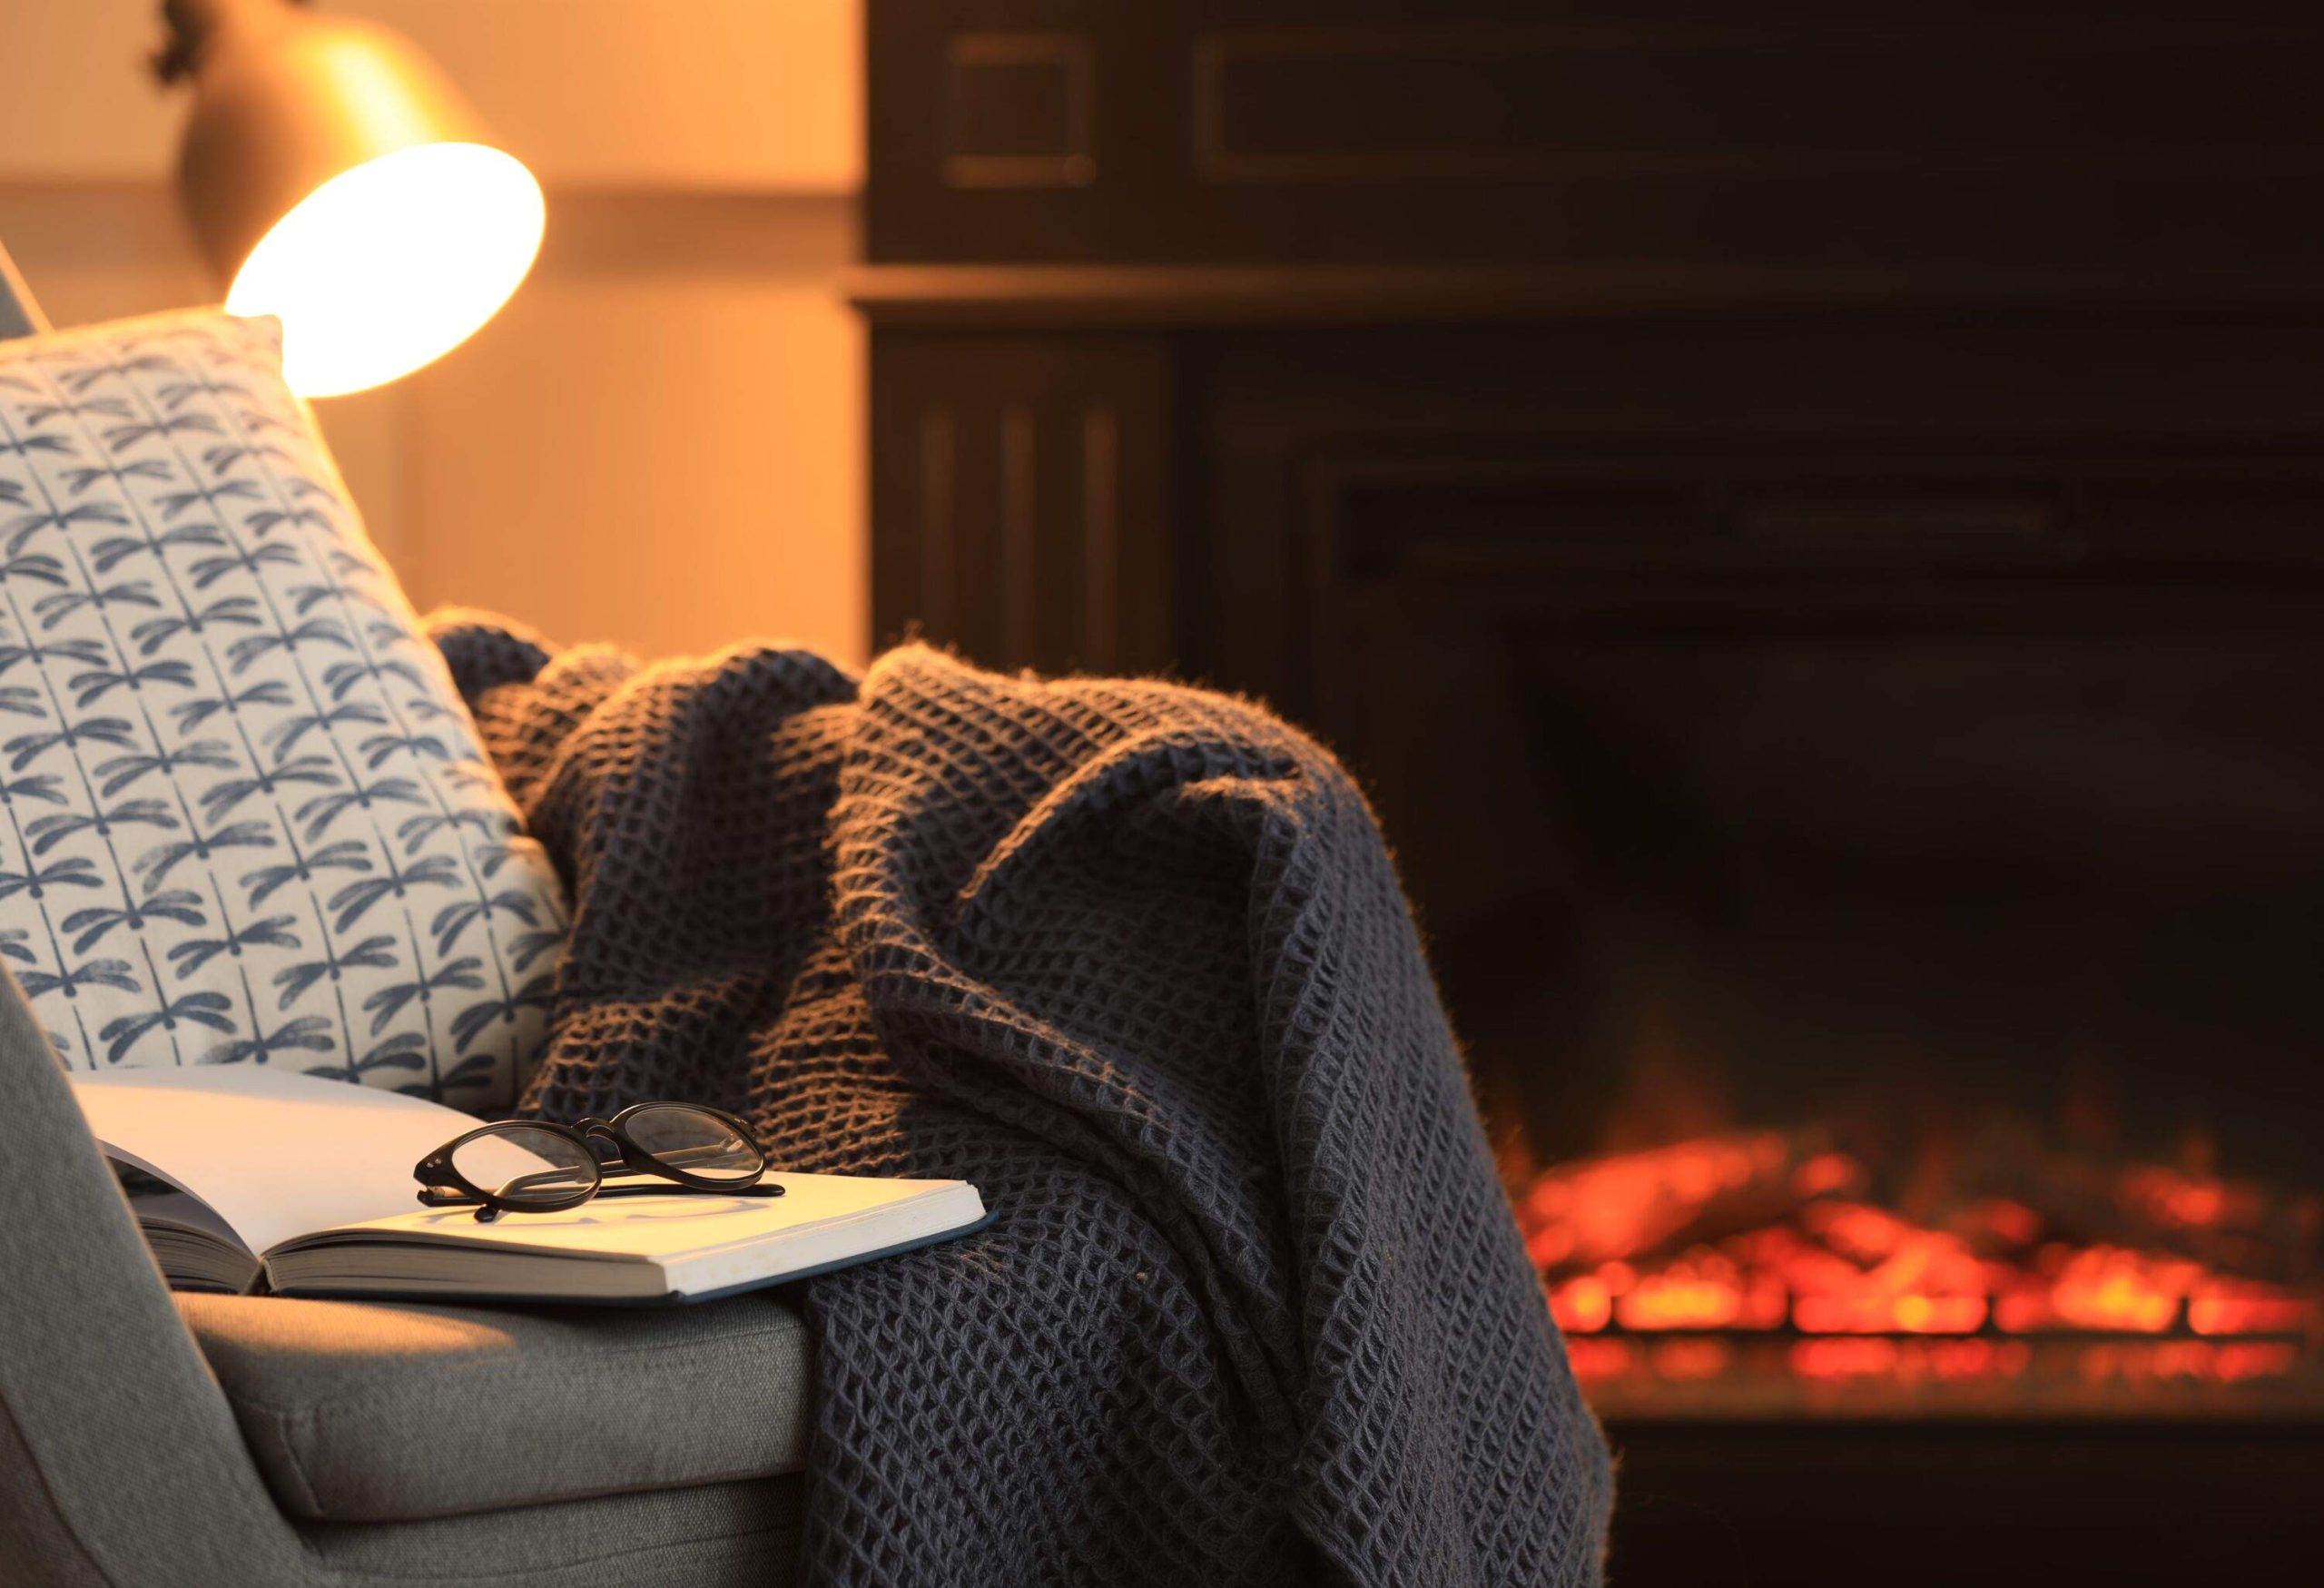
1654,1261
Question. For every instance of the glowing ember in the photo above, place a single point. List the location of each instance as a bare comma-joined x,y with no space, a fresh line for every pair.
1944,1360
1617,1206
2219,1306
2191,1201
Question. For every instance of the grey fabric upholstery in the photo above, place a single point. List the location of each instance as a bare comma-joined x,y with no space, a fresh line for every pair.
120,1441
122,1464
365,1412
723,1535
35,1544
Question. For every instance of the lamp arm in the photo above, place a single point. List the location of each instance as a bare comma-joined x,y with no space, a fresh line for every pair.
195,24
20,312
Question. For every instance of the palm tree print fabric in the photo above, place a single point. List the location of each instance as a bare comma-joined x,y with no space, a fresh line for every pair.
244,815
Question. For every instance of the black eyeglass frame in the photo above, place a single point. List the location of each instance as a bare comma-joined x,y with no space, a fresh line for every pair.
443,1186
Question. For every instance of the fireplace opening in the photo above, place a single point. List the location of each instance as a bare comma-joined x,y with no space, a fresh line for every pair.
1892,986
1933,1022
1924,1023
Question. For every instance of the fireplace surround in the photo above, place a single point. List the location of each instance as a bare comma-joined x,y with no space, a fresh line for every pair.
1826,592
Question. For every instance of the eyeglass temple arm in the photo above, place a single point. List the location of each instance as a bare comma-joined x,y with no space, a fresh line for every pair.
447,1196
675,1157
672,1188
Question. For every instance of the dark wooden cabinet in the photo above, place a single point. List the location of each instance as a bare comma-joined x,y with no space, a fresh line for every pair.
1025,496
1137,275
1951,137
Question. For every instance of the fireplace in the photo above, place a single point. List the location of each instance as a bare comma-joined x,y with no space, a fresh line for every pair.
1879,898
1830,620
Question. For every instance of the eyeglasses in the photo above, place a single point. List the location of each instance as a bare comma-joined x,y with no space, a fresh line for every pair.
529,1166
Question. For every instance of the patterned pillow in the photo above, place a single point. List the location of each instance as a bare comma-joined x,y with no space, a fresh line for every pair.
243,818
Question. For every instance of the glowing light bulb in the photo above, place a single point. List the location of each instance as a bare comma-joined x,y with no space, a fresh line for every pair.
392,264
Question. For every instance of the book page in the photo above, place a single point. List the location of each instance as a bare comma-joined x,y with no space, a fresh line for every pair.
733,1248
274,1155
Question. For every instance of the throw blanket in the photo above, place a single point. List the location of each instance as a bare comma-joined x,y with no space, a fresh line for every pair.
1134,959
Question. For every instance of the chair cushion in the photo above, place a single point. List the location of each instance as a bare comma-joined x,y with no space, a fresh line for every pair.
713,1536
378,1412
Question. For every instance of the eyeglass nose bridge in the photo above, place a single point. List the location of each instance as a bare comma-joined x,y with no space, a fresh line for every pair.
619,1151
596,1130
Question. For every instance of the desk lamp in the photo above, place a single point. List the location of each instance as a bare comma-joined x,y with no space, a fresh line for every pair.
335,178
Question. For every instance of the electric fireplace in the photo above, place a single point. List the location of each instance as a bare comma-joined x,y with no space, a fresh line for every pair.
1930,1003
1875,876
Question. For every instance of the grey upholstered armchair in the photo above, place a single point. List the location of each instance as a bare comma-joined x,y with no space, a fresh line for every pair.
153,1441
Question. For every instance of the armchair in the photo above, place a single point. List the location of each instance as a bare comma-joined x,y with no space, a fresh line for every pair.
156,1441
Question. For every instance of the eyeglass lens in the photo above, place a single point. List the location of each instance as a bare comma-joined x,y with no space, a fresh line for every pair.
525,1165
694,1142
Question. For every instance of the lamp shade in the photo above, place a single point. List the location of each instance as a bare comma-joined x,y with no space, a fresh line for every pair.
336,179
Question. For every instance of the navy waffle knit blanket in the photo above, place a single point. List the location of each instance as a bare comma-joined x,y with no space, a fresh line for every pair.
1133,959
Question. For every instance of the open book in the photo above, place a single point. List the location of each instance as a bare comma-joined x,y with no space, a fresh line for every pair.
240,1174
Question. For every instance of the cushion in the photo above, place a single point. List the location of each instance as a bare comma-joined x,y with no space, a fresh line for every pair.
378,1412
720,1535
243,817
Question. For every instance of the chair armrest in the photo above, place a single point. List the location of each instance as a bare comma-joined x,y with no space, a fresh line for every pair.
120,1460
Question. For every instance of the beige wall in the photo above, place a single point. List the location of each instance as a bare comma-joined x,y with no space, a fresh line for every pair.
660,441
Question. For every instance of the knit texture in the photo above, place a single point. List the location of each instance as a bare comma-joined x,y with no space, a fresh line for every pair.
1134,959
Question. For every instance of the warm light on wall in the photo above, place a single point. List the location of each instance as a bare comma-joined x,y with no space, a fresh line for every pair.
337,180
